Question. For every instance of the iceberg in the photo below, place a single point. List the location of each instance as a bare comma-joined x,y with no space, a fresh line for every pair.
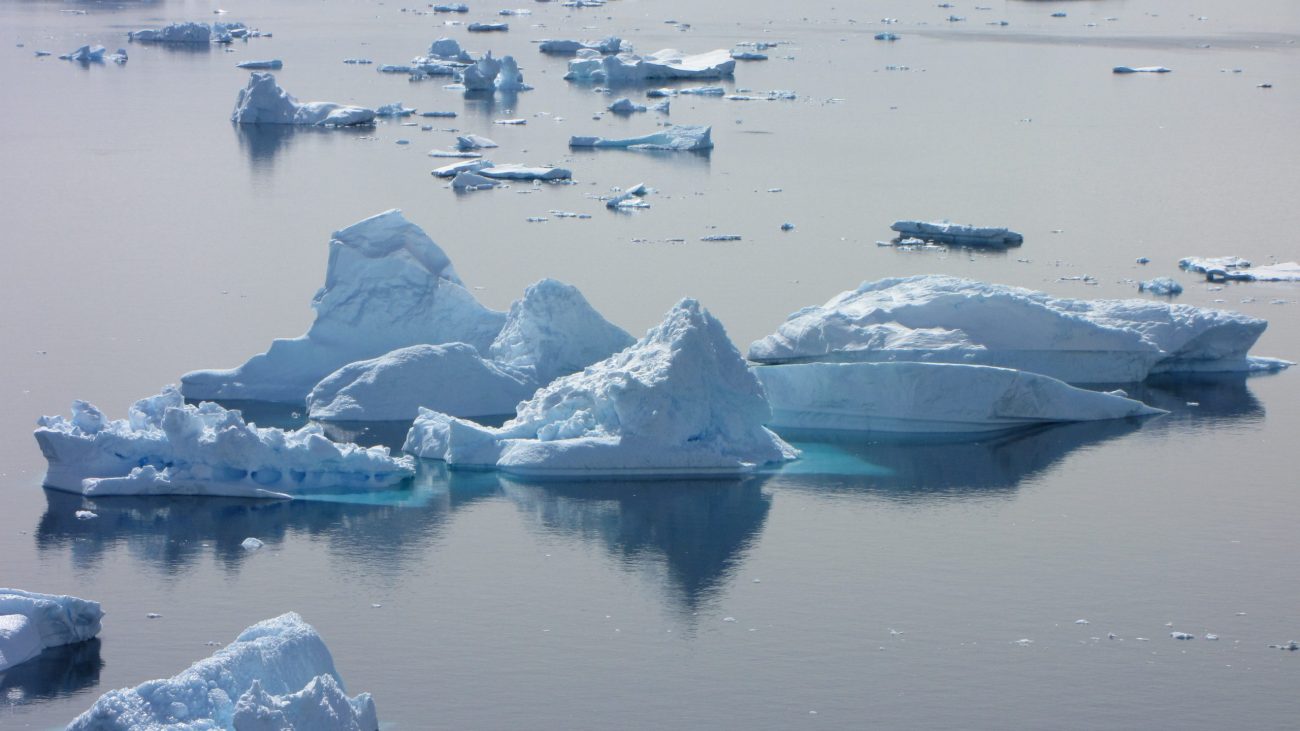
166,446
666,64
945,319
607,46
509,78
929,397
482,74
623,105
469,180
454,8
688,137
264,102
394,110
629,198
487,27
1205,265
1161,287
1236,269
679,401
523,172
955,233
387,286
448,49
277,675
31,623
274,63
174,33
474,142
471,165
1140,70
86,54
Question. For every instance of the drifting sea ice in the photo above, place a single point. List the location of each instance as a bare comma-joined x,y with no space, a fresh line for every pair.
959,234
471,165
681,137
448,49
469,180
174,33
929,397
666,64
679,401
166,446
274,63
523,172
607,46
944,319
277,674
1140,70
623,105
1236,269
387,286
264,102
86,54
1161,287
474,142
31,623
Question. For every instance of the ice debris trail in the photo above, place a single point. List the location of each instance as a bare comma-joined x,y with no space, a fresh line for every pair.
943,319
679,401
166,446
684,137
31,623
264,102
387,286
929,398
277,674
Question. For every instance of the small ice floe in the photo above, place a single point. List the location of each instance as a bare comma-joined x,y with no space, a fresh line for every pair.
153,615
1058,14
886,36
605,46
86,515
1023,642
394,110
453,8
769,96
514,11
467,180
590,66
251,544
1236,269
1293,646
721,237
1212,637
623,105
264,102
464,154
487,27
31,623
787,226
537,219
455,168
43,53
438,115
1161,287
631,197
358,61
1264,85
511,122
1140,70
1111,636
524,172
1081,621
273,63
945,232
1142,260
86,54
119,57
175,33
474,142
748,56
1182,636
677,137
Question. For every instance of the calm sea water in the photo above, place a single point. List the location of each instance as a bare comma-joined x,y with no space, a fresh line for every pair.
874,583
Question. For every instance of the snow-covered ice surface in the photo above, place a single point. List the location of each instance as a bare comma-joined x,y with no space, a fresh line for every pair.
960,234
608,45
273,63
679,401
32,622
387,286
669,63
1236,269
929,398
166,446
686,137
277,675
174,33
264,102
945,319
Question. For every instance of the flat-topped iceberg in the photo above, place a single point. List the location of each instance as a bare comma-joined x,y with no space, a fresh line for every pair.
959,234
608,45
277,674
1141,70
679,401
524,172
387,286
166,446
929,397
686,137
666,64
31,623
944,319
448,49
273,63
264,102
174,33
1236,269
86,54
551,331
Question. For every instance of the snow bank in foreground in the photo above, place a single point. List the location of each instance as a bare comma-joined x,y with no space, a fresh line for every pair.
676,137
679,401
666,64
929,397
944,319
264,102
277,675
166,446
31,622
387,286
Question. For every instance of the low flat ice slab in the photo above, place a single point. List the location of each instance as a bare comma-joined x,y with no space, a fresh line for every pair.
277,674
685,137
955,233
945,319
264,102
524,172
387,286
474,142
273,63
608,45
31,623
1236,269
929,398
472,165
666,64
471,180
679,401
166,446
1140,70
174,33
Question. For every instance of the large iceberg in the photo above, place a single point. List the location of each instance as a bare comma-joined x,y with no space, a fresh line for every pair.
551,331
264,102
166,446
944,319
387,286
677,137
31,623
666,64
277,675
929,397
959,234
679,401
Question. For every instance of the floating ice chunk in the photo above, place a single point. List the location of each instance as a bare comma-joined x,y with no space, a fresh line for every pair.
387,285
1161,287
264,102
1140,70
358,61
721,237
1182,636
166,446
629,198
769,96
471,165
277,674
748,56
553,331
666,64
482,74
929,397
487,27
174,33
1234,268
449,49
678,401
886,36
274,63
955,233
119,57
394,110
474,142
509,78
86,515
661,107
1205,265
607,46
251,544
437,114
523,172
467,180
31,623
451,378
702,91
452,8
623,105
676,137
86,54
514,11
1212,637
949,320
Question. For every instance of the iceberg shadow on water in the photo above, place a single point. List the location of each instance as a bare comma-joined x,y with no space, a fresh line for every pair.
58,672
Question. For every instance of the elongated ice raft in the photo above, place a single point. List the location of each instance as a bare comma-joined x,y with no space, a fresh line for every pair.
32,622
686,137
669,63
277,674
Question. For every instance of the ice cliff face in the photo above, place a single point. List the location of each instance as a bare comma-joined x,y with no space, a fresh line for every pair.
387,286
